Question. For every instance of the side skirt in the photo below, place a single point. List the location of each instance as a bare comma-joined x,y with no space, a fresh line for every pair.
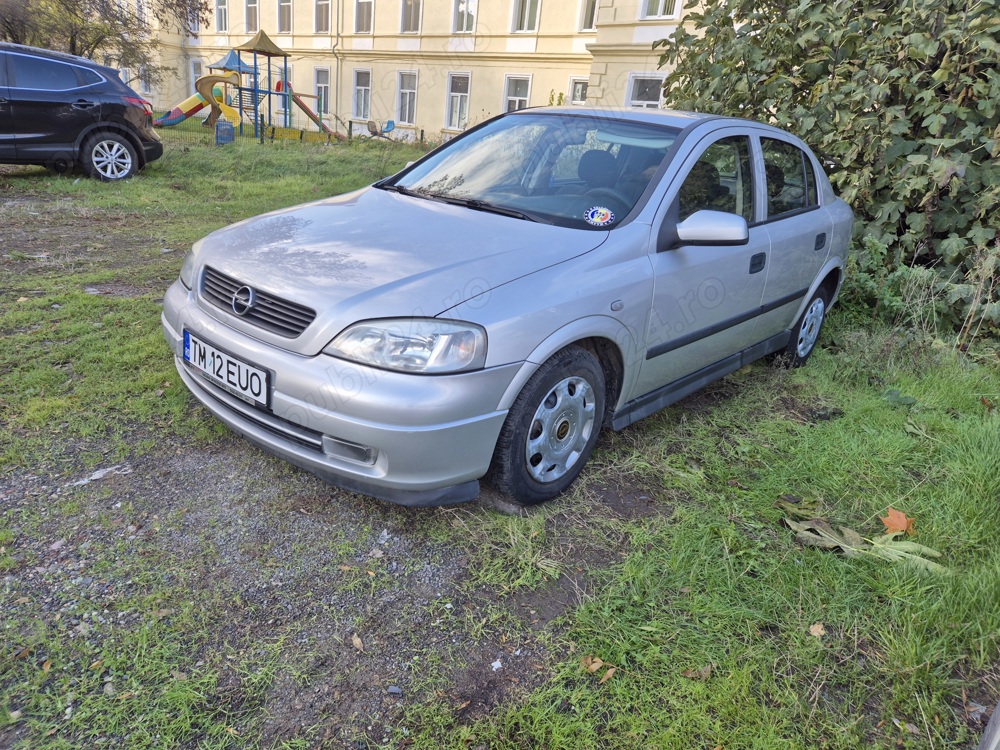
664,396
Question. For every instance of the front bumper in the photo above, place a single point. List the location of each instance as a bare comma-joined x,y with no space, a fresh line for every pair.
410,439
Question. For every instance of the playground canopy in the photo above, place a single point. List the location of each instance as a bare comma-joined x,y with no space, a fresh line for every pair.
262,45
231,61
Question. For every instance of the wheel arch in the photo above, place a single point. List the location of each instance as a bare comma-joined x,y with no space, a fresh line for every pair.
112,127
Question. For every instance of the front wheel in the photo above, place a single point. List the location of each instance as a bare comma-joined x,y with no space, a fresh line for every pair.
109,157
805,334
551,429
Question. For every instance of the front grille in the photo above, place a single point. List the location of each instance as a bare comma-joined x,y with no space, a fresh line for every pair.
270,313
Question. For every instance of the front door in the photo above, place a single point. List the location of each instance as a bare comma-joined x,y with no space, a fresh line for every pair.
6,121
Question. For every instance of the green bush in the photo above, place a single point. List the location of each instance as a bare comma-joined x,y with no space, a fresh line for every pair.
900,100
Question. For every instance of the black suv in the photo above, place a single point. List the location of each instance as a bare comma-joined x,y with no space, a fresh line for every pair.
60,110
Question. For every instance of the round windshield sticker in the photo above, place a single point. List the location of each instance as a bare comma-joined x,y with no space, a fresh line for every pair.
599,216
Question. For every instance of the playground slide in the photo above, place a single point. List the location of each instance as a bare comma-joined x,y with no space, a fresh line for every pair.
310,114
204,87
181,112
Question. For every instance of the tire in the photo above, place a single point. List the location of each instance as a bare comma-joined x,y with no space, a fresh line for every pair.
109,157
806,332
551,429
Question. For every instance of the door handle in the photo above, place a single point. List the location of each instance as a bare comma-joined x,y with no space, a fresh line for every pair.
757,262
820,241
83,104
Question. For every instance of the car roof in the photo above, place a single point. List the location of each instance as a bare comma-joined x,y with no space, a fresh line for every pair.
673,118
52,54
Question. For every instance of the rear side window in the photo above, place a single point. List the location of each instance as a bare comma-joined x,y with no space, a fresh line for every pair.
3,69
42,75
791,182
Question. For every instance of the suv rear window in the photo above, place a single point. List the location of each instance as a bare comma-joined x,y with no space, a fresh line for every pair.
42,75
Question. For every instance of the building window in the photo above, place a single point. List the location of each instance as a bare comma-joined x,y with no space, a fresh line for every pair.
323,91
145,85
578,91
407,110
363,16
222,15
362,94
140,12
284,16
253,17
194,22
517,93
411,17
465,16
322,16
526,15
458,101
645,92
196,70
659,8
589,20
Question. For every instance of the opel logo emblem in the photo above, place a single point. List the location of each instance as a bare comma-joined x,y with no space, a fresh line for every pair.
244,300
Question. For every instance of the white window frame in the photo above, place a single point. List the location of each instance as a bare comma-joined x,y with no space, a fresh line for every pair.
411,95
530,25
588,8
572,86
255,6
285,4
405,5
471,9
631,101
357,16
197,69
356,112
449,125
145,87
193,23
329,16
222,16
322,103
507,98
141,16
659,8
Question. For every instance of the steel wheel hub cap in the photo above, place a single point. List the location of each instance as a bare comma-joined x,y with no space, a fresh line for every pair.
809,331
560,429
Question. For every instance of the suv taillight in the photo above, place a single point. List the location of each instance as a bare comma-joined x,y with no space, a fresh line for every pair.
133,101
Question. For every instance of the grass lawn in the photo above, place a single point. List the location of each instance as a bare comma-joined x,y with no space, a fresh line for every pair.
666,603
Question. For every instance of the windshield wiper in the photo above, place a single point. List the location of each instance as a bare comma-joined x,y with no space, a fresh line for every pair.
399,189
480,205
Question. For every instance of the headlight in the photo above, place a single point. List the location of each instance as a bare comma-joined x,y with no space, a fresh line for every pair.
190,266
421,345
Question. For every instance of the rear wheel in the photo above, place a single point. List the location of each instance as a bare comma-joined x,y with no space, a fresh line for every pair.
109,157
805,334
551,429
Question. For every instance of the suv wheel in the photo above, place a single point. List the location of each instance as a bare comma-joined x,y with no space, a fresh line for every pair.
109,157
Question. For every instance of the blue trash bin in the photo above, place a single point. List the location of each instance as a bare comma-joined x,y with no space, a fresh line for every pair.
224,132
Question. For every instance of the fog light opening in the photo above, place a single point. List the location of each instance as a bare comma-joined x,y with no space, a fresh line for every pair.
353,452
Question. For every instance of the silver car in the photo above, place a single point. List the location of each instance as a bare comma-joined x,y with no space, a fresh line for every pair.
486,311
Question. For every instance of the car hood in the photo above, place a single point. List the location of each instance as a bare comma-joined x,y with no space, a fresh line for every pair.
378,254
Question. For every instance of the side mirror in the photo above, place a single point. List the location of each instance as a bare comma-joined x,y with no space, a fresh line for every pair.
713,228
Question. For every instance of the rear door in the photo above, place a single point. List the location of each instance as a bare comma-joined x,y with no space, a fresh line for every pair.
6,121
799,230
52,103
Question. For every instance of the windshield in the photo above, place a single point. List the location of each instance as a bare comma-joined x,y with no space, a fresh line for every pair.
585,172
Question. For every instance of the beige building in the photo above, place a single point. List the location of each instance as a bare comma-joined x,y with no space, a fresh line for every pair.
434,67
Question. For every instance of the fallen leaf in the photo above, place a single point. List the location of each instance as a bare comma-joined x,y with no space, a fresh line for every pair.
607,675
178,675
896,522
232,731
591,663
817,630
47,666
22,299
358,643
990,406
344,568
97,664
907,726
464,705
698,674
817,532
797,507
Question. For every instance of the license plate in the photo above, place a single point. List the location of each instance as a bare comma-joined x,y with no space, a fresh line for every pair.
228,372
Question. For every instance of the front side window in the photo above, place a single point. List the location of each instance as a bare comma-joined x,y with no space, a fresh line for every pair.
791,182
465,16
721,180
517,93
659,8
411,17
582,172
323,90
284,16
222,15
458,101
322,16
407,113
253,16
645,92
362,94
363,16
589,20
42,75
526,15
